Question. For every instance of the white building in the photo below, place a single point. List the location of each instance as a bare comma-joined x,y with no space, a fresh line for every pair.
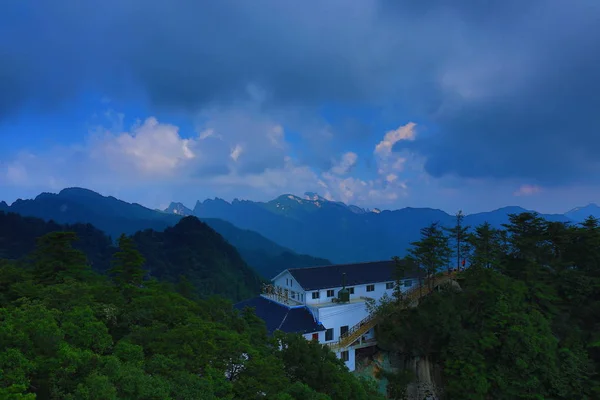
310,301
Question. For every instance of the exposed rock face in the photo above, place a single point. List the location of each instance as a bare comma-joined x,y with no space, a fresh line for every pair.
428,382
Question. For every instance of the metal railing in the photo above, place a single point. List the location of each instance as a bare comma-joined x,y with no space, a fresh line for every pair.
414,293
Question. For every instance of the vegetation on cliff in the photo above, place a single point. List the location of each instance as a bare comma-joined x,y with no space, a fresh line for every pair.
526,324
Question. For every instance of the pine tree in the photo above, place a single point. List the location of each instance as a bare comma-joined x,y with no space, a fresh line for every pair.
459,234
127,264
486,244
400,268
431,252
55,259
186,288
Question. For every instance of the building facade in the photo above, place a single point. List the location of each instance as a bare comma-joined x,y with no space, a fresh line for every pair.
329,304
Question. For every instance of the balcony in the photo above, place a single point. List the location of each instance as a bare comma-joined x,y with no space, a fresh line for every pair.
330,303
281,295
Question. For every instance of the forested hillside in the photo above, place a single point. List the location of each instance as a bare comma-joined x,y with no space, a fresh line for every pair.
189,253
525,323
114,217
193,250
68,333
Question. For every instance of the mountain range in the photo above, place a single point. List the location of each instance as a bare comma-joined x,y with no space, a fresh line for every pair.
114,216
278,234
189,255
346,233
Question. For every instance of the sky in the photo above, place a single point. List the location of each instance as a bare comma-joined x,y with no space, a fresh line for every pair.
462,104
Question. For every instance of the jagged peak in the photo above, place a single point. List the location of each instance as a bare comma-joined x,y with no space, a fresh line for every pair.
314,197
178,208
216,200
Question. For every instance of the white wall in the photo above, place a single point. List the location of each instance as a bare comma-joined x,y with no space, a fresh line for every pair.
337,316
351,363
287,281
359,290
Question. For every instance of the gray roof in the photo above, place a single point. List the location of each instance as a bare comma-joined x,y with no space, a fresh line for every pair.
280,317
330,276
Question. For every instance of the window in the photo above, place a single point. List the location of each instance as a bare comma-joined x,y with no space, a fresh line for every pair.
329,334
286,282
315,337
291,282
330,293
343,330
294,295
345,356
315,295
407,283
389,285
370,288
350,290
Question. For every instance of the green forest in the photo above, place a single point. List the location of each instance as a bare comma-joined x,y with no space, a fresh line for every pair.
524,322
146,320
189,251
68,332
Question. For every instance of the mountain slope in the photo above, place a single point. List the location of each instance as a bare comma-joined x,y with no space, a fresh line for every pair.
18,236
114,216
339,232
579,214
190,248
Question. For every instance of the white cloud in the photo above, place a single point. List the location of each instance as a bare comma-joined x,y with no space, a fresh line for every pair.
151,149
235,153
346,163
527,190
405,132
231,154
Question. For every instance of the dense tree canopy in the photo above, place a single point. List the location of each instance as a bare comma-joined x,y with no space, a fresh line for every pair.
68,333
526,322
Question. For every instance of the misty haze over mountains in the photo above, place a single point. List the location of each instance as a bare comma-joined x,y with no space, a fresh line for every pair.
284,230
346,233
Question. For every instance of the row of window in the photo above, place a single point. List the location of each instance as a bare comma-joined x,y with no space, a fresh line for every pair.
329,333
370,288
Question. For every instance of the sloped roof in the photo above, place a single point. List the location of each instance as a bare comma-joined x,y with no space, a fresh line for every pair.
330,276
278,316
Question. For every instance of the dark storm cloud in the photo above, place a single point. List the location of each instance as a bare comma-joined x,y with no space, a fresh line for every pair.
509,88
534,114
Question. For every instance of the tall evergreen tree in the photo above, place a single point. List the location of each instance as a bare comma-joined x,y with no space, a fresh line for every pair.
458,234
432,252
127,263
55,259
401,267
486,244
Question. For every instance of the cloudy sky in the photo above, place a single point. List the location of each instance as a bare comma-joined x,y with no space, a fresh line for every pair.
463,104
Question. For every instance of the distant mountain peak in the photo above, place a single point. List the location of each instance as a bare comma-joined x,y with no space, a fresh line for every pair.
581,213
179,209
588,207
78,190
312,196
217,200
